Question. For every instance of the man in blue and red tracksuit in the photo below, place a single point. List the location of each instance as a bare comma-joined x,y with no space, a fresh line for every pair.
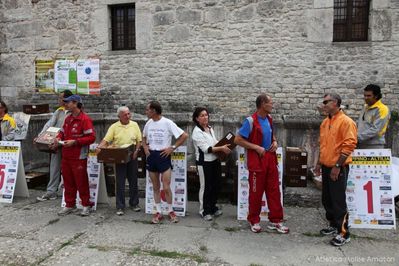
75,137
256,136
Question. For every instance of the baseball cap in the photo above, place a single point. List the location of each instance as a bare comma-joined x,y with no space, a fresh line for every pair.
75,98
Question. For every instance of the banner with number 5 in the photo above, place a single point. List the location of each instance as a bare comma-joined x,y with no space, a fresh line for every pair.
369,190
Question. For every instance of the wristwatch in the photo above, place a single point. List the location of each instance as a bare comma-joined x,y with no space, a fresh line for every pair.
174,147
337,165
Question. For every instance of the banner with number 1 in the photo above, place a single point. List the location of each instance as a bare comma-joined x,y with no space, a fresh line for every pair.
369,190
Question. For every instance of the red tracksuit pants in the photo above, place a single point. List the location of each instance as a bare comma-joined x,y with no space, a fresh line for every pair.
74,173
265,181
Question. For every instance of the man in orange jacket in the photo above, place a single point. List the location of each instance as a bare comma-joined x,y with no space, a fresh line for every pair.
338,139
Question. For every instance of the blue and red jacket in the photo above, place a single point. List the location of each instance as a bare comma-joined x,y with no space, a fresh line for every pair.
254,163
79,128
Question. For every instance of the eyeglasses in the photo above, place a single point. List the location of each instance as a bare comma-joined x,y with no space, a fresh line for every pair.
327,101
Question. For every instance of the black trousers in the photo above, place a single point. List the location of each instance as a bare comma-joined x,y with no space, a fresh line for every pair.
129,171
334,199
210,175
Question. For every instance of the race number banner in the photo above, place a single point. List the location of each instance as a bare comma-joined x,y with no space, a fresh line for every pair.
369,190
93,171
243,185
12,173
178,186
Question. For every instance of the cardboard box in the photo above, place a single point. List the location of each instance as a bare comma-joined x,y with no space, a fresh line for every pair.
43,141
36,108
141,164
296,156
228,139
295,180
296,170
113,154
296,160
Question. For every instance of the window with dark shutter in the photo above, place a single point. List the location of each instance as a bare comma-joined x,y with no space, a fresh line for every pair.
351,20
123,27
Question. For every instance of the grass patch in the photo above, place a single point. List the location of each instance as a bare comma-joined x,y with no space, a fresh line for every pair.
203,248
232,229
99,248
142,221
53,221
175,255
135,251
70,241
353,236
310,234
167,254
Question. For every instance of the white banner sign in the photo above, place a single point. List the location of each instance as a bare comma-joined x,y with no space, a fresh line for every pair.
12,173
369,190
243,186
178,185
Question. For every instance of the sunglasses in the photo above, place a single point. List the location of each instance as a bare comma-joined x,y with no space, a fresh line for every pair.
327,101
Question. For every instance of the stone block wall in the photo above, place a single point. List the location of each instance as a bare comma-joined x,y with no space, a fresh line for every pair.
218,53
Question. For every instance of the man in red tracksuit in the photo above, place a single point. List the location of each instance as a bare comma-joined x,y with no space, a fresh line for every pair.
75,137
256,135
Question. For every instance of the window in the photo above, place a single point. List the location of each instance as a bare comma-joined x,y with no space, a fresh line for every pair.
123,27
351,20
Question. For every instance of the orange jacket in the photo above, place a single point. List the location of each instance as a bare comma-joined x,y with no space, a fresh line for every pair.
338,135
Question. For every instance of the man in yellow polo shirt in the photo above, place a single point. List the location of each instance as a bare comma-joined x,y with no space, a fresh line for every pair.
125,132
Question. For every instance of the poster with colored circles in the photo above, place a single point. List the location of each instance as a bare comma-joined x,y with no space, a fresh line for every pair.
178,186
243,185
88,75
369,193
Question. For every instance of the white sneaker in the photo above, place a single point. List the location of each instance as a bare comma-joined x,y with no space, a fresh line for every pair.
218,213
208,217
65,211
279,227
85,211
256,228
47,196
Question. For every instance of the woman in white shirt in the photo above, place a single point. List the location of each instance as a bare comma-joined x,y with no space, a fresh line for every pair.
208,164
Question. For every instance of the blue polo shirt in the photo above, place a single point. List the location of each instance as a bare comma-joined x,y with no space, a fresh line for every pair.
244,131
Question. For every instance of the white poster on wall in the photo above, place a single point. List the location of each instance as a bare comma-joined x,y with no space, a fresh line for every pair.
65,75
178,186
243,185
12,173
369,193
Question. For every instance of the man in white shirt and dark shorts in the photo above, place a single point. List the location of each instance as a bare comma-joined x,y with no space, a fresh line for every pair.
157,144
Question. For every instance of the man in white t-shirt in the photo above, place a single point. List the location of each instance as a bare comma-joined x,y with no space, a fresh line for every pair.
157,144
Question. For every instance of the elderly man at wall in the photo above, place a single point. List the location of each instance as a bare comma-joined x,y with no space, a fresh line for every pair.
56,120
75,136
125,132
338,138
257,136
373,121
157,144
7,124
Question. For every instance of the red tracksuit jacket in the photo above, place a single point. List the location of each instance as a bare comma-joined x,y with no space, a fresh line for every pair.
79,128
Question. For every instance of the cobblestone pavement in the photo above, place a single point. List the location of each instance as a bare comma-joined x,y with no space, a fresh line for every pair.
31,233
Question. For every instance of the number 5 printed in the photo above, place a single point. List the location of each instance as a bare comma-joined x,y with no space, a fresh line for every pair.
2,175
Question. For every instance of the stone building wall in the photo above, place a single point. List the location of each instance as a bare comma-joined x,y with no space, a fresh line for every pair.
218,53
